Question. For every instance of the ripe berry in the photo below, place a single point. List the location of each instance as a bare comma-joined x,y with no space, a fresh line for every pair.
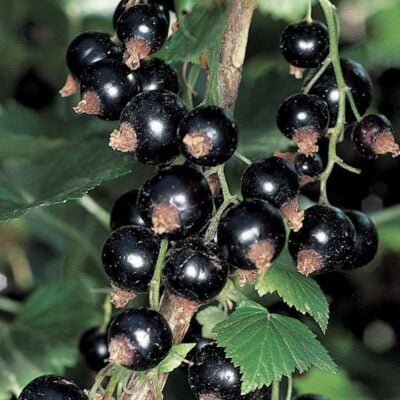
149,123
308,166
139,339
129,257
356,78
143,29
194,271
310,397
251,235
213,376
125,212
208,136
373,136
304,119
305,44
93,347
48,387
176,202
106,87
324,243
155,74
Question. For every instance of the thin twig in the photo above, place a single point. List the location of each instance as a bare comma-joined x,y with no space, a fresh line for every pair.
91,206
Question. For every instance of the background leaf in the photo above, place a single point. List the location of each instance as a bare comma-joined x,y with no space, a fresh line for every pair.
175,357
208,317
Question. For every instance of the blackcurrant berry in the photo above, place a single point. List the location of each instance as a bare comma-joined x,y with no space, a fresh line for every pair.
366,245
176,202
310,397
125,212
139,339
304,119
356,78
149,123
106,87
276,181
143,29
251,235
93,347
208,136
373,136
155,74
48,387
308,166
213,376
129,257
325,241
305,44
194,271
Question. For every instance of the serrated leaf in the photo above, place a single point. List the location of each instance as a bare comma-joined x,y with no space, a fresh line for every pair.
267,346
208,317
175,357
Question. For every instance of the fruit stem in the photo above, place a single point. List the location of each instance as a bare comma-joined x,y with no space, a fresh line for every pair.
107,311
154,293
113,383
91,206
318,74
275,391
243,158
309,12
9,306
289,388
353,104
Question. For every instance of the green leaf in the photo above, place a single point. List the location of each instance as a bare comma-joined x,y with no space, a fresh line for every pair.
284,9
175,357
208,317
267,346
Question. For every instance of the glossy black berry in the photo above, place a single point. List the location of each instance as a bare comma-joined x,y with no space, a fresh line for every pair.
366,245
106,87
208,136
251,234
325,242
373,136
125,212
93,346
195,272
176,202
149,123
139,339
310,166
310,397
213,374
303,118
51,387
356,78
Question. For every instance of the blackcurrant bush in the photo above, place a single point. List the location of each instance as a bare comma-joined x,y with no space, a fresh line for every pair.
176,202
139,339
303,118
310,397
325,241
155,74
305,44
149,123
373,136
356,78
106,87
129,257
125,212
308,166
143,29
194,271
276,181
251,235
48,387
93,347
208,136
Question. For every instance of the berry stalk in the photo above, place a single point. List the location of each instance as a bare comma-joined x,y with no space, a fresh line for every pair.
154,295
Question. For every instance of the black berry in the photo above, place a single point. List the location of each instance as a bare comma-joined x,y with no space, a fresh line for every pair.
304,119
93,347
139,339
208,136
309,166
48,387
176,202
325,241
149,123
373,136
310,397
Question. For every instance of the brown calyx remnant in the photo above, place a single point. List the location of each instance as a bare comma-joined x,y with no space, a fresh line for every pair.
136,50
290,211
121,350
175,26
90,104
384,143
297,72
214,184
305,179
198,144
164,218
71,86
261,255
285,155
123,139
306,140
246,276
120,298
209,397
308,261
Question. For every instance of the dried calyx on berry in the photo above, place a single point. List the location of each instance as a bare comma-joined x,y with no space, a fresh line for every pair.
139,339
93,346
304,119
149,123
308,167
324,243
373,136
276,181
